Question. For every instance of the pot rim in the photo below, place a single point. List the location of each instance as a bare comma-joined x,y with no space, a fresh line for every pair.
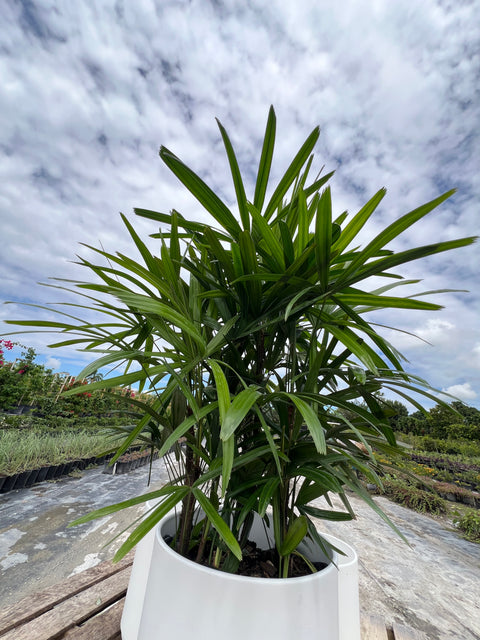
194,566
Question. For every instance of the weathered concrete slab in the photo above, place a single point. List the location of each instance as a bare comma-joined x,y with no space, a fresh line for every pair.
432,586
37,549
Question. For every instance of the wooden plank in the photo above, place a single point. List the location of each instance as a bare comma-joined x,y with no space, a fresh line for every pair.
373,628
104,626
403,633
33,606
71,612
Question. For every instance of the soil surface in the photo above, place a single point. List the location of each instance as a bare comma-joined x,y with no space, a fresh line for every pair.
432,586
259,563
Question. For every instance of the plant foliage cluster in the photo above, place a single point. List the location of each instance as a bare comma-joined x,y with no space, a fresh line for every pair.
252,337
23,380
437,483
449,468
463,448
412,497
469,524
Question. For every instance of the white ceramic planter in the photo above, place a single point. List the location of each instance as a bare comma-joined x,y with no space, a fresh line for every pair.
171,597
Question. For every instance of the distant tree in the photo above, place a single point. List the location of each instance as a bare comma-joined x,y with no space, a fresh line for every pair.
471,415
456,420
418,415
463,431
439,419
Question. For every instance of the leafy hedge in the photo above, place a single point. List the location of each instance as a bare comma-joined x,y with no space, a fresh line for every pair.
30,386
466,448
60,423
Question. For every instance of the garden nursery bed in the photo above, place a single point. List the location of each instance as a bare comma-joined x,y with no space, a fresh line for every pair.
29,477
129,462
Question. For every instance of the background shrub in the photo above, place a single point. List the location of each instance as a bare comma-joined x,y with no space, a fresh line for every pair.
409,496
469,524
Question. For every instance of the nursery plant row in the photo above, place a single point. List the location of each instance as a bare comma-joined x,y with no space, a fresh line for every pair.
30,477
128,462
424,493
452,477
443,480
448,469
21,450
430,498
29,456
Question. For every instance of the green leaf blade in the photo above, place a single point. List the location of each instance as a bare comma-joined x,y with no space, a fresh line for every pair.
323,236
311,420
220,525
296,532
202,192
237,179
265,163
241,405
292,172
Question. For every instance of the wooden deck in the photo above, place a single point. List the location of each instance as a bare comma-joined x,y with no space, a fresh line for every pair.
88,606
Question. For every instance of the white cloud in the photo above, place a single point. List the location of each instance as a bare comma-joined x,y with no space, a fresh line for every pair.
436,331
53,363
462,391
90,90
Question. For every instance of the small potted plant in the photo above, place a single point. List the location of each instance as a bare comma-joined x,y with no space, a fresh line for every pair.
253,339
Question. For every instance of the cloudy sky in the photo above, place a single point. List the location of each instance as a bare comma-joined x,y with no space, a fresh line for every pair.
90,90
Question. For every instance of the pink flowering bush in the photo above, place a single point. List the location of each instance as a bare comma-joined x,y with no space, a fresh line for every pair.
23,380
4,344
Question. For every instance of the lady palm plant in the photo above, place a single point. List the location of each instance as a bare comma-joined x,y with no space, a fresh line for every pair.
252,341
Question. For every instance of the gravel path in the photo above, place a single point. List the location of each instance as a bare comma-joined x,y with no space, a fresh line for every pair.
432,586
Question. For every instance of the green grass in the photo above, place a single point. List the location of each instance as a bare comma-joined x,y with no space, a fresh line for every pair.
22,449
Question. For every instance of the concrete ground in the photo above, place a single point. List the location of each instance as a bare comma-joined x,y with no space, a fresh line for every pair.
37,549
432,586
